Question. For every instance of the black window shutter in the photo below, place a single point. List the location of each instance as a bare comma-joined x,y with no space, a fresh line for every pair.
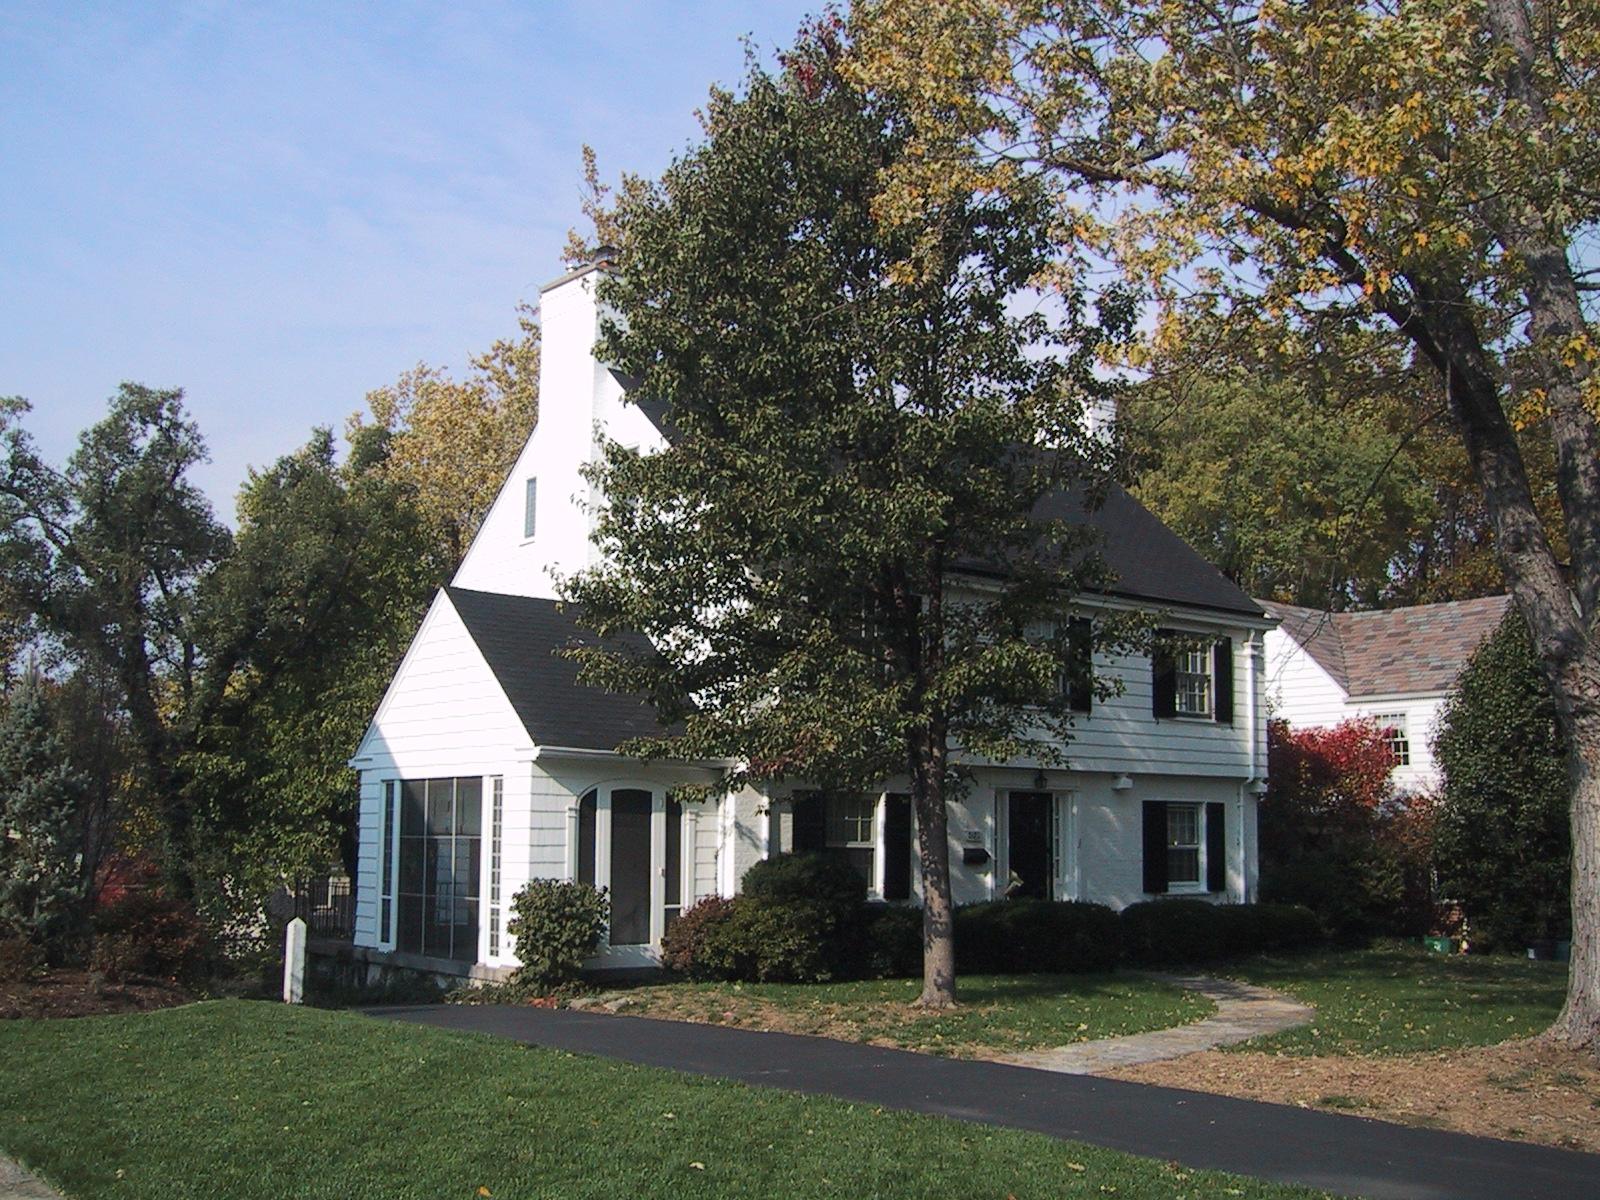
1216,849
1155,846
1222,680
897,847
1080,681
1163,678
809,830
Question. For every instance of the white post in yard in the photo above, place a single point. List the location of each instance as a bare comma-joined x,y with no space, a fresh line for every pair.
294,962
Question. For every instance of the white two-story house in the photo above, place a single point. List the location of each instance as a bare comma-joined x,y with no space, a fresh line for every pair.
487,764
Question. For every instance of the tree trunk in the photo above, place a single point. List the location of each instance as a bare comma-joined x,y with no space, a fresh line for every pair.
1579,1022
933,854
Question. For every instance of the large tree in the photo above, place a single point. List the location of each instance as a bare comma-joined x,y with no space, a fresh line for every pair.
845,440
107,557
1426,164
332,568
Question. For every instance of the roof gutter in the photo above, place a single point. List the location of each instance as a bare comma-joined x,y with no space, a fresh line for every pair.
586,752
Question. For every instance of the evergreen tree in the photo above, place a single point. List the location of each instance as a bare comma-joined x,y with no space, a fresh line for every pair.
42,889
1504,844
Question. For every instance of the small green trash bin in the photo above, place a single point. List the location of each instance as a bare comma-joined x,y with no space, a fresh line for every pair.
1440,945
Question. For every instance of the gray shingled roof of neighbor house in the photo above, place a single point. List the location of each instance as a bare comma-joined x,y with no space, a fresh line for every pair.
1393,651
521,638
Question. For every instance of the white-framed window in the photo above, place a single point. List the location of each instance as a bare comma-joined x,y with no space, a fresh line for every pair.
850,828
1192,681
1185,846
1395,736
530,507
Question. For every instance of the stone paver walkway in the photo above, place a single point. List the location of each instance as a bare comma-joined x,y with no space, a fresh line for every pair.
1244,1011
17,1184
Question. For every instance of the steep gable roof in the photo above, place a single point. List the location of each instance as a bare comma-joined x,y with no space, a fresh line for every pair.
1394,651
521,637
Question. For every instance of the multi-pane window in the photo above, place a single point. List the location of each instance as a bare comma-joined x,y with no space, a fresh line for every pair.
496,827
849,828
530,504
1183,843
441,835
1192,680
386,856
1395,737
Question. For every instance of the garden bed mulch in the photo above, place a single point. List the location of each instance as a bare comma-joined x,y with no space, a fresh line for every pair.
74,993
1523,1090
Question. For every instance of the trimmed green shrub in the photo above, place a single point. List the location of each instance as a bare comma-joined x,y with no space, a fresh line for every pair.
1161,932
1032,936
1503,845
557,925
811,878
893,937
1158,933
760,941
683,945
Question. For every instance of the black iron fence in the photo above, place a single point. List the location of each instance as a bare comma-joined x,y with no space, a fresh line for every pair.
327,905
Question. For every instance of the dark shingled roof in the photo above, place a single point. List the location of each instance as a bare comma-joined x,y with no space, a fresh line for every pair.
520,638
1147,560
1394,651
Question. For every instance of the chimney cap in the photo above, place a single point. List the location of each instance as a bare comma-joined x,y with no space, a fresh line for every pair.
604,258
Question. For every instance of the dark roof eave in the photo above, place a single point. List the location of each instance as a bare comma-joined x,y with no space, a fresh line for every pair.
1255,614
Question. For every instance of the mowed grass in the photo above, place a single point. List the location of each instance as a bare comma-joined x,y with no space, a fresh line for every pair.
232,1100
998,1013
1397,998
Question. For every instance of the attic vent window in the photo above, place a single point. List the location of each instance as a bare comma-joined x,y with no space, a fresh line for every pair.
529,507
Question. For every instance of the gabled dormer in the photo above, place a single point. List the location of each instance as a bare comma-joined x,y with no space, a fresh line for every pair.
538,527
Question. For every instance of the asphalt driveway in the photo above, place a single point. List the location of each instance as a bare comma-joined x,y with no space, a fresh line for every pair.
1353,1156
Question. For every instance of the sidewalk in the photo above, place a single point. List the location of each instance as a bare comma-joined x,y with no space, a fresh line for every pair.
1244,1011
17,1184
1352,1156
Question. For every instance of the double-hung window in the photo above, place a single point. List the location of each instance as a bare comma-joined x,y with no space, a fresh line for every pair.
1185,845
1192,679
850,830
1395,736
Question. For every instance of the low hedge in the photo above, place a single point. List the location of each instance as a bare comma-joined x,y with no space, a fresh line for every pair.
1036,936
1165,932
794,926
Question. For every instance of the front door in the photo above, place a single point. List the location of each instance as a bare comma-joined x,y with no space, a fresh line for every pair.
630,841
1031,838
630,866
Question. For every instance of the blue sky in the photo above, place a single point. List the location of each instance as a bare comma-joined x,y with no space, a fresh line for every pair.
278,207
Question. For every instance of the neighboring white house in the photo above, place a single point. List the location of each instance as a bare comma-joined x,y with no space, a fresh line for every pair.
488,764
1396,666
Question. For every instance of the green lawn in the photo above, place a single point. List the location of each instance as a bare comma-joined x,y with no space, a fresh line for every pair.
1396,998
233,1100
998,1013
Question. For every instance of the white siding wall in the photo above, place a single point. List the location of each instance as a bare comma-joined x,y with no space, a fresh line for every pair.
1422,722
577,396
1122,734
1297,689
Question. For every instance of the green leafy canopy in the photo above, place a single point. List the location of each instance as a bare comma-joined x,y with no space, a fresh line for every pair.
844,438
